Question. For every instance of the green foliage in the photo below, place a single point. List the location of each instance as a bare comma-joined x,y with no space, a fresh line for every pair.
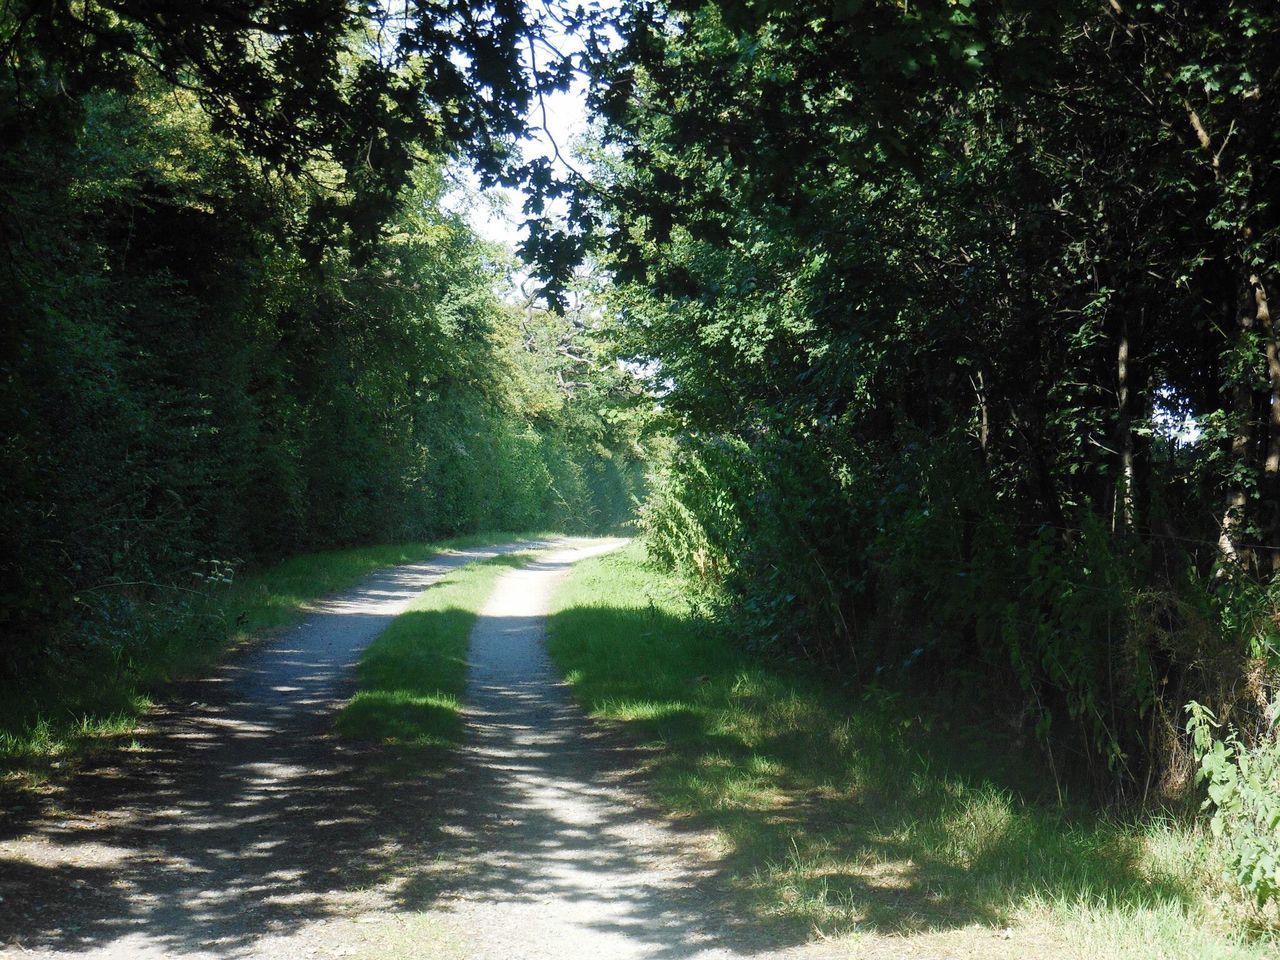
1243,785
924,288
219,354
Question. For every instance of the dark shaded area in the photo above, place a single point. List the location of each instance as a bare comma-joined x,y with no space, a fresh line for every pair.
967,311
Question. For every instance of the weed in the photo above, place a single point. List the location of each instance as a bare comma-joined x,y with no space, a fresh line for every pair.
413,675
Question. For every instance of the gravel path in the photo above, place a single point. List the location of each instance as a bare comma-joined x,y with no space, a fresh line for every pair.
245,829
241,822
560,860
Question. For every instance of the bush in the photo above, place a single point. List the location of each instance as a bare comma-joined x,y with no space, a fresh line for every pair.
1243,786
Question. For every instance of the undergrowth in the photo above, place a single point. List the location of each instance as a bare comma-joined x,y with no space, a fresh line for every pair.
865,814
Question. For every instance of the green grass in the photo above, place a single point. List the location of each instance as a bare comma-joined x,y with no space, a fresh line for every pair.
866,817
273,597
411,678
96,703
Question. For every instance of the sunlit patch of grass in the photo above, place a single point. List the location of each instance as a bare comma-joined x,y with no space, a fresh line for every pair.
412,677
31,754
864,816
91,707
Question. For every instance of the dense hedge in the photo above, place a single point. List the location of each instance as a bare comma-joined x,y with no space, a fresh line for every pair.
201,367
965,310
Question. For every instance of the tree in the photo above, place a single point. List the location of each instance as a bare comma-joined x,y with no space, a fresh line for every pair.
920,281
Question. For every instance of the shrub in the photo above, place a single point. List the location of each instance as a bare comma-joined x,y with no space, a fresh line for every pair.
1243,786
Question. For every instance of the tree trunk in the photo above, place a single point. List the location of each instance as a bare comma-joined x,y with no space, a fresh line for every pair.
1271,464
1235,513
984,419
1124,514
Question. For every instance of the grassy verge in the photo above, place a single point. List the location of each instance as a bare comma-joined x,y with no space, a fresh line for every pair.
861,817
95,703
411,678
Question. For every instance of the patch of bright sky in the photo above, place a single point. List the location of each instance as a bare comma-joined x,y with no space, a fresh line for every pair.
557,121
1171,417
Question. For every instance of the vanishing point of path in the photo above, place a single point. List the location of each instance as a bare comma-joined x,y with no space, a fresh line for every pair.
244,828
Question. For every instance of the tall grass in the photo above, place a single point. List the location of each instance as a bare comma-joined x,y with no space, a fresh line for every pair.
868,815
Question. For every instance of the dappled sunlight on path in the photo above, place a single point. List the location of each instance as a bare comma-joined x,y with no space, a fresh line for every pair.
557,858
240,821
244,828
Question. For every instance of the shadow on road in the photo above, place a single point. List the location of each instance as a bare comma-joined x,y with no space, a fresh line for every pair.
245,818
242,816
555,853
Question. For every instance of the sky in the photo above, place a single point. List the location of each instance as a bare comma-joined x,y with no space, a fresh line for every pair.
496,214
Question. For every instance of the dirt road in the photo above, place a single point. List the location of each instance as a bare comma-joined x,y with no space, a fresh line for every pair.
240,821
557,859
245,829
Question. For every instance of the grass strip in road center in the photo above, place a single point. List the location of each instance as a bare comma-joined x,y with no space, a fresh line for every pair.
277,595
867,816
63,715
412,677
